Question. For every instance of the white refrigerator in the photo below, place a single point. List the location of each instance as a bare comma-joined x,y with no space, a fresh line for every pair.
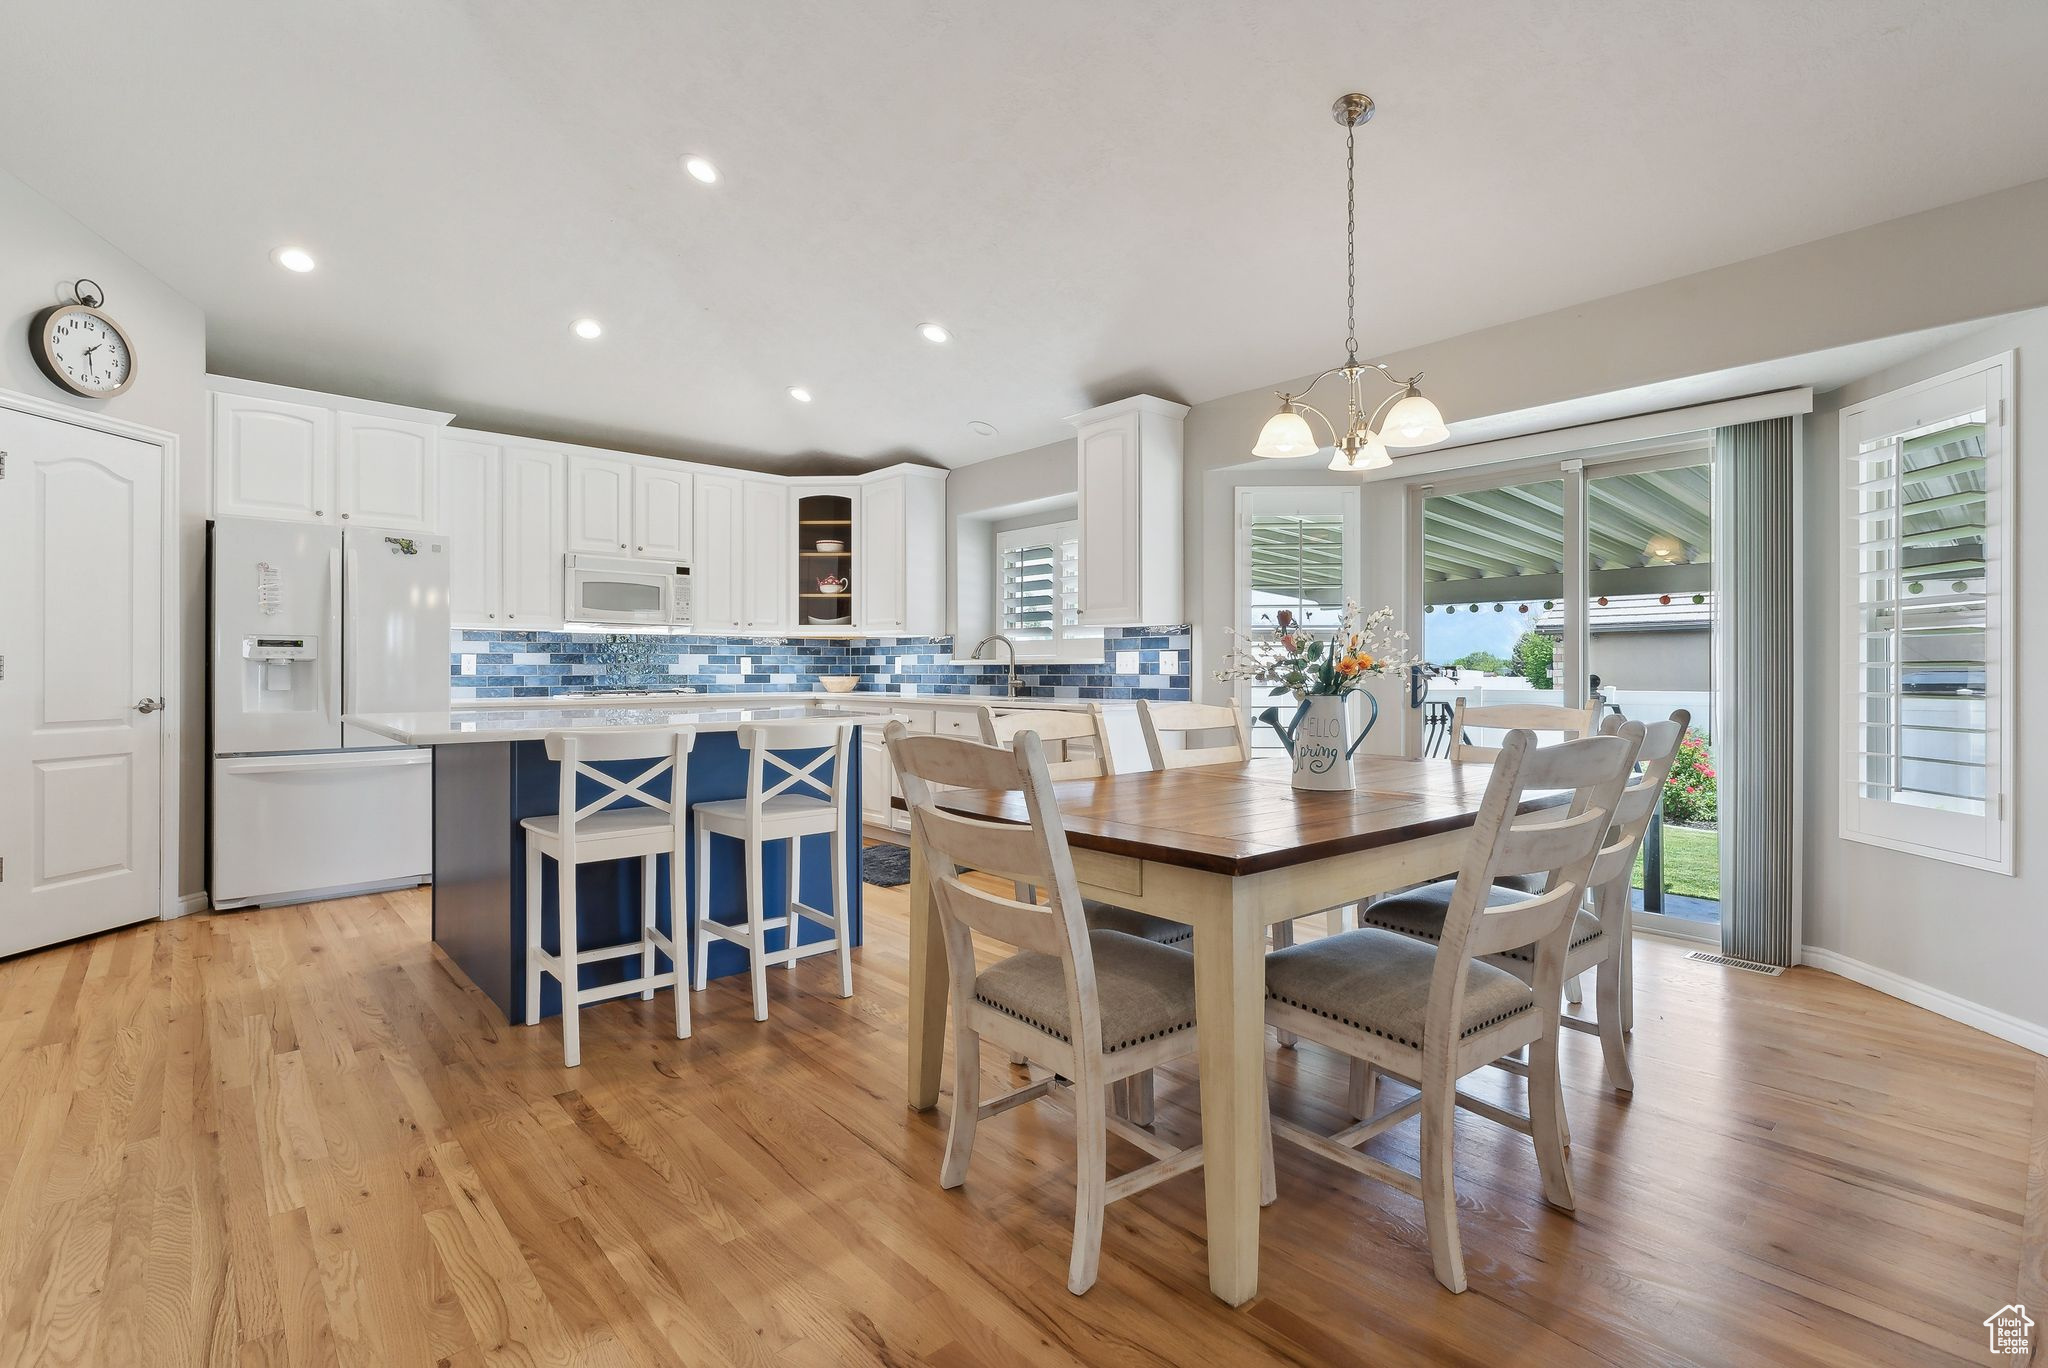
310,623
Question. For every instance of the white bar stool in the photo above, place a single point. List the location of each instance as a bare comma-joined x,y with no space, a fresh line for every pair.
579,834
772,812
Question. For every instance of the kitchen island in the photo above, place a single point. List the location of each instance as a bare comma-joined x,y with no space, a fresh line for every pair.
491,771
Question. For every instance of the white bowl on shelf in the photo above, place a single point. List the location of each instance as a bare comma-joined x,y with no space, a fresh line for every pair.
845,620
833,546
839,683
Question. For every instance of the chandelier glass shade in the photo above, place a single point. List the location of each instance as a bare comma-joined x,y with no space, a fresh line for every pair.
1402,419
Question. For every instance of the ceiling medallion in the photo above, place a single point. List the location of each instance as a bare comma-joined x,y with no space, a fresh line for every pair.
1402,419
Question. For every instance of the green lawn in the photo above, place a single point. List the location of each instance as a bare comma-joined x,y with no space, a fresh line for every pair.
1692,862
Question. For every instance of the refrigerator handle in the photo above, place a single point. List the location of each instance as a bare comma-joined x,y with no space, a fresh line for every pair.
336,647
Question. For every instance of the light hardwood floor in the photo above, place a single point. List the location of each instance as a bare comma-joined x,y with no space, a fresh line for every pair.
298,1136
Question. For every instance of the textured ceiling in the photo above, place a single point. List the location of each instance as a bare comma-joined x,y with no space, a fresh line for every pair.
1094,198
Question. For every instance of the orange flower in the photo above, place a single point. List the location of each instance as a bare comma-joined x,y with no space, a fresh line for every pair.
1348,665
1365,661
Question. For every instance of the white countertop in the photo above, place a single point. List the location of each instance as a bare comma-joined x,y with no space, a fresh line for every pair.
536,718
738,698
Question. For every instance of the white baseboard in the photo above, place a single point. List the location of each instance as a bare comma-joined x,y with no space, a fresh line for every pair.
2028,1034
185,904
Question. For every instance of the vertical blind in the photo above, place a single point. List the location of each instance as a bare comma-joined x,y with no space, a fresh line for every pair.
1753,473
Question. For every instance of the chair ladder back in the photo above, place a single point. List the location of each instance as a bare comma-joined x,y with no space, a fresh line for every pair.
1572,723
1182,719
1033,852
1054,726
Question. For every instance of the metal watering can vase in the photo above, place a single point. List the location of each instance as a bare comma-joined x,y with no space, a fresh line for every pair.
1316,739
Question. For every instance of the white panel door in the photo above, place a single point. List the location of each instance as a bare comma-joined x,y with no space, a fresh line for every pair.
716,573
1108,484
661,513
768,553
81,647
879,570
530,590
469,496
600,505
384,472
272,459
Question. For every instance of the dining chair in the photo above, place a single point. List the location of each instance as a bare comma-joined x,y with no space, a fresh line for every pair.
1201,720
1430,1014
801,797
1602,938
577,833
1062,726
1090,1007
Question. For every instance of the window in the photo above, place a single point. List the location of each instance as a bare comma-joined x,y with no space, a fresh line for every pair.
1297,549
1926,602
1038,592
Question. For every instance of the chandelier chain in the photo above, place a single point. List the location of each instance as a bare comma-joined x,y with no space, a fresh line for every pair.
1351,243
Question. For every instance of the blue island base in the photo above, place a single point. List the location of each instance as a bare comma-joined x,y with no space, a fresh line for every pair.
484,789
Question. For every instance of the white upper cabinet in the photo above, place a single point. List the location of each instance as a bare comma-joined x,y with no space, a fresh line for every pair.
470,469
600,504
1129,491
662,522
766,550
384,472
272,459
297,456
531,538
715,571
899,574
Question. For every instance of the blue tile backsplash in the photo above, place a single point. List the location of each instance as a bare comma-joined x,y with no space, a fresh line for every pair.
1137,662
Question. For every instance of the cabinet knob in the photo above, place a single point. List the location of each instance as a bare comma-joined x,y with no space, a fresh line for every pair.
344,515
490,615
319,512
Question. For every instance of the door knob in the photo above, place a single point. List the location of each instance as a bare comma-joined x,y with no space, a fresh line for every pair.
149,705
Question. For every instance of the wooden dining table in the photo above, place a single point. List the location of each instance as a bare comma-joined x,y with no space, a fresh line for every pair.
1229,850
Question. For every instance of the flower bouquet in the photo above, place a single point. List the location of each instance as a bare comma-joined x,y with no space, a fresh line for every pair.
1318,670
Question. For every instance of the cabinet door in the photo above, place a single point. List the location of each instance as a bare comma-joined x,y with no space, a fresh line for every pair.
469,491
1108,495
384,472
715,571
879,570
661,513
600,505
766,552
272,459
877,775
532,538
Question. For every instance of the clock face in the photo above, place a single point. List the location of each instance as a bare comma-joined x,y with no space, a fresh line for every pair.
86,353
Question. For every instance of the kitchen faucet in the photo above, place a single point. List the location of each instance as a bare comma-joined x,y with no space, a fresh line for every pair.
998,636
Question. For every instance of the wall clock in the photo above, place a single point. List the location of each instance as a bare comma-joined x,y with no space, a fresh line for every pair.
80,348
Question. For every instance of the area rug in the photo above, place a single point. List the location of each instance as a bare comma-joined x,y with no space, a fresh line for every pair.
885,866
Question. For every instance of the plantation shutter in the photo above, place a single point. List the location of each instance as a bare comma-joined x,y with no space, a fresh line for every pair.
1040,589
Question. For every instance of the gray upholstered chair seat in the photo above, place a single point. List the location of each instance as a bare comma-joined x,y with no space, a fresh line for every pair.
1421,911
1104,917
1146,990
1521,883
1378,981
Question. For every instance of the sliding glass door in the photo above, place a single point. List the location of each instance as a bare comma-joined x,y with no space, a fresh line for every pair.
1588,581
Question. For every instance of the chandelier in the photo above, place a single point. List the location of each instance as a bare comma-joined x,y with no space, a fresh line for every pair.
1402,419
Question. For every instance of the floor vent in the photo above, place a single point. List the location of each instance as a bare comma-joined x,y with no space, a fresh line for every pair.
1730,962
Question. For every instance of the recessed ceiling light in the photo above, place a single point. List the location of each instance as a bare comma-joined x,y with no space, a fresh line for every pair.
701,169
981,429
932,332
587,328
800,394
294,259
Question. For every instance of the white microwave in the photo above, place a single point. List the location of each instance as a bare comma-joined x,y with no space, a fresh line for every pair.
632,593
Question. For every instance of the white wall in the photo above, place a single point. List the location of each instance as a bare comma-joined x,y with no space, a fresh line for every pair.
1978,936
42,249
978,498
